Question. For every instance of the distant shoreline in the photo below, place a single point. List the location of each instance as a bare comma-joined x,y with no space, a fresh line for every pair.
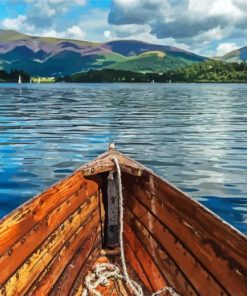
206,72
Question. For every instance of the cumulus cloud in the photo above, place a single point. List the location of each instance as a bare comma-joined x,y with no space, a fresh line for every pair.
187,21
74,32
19,24
225,48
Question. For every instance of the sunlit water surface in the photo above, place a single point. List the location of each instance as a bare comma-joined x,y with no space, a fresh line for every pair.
193,135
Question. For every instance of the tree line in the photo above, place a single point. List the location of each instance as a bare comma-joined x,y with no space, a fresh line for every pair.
208,71
13,76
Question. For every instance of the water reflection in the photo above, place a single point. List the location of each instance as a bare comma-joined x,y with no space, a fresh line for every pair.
193,135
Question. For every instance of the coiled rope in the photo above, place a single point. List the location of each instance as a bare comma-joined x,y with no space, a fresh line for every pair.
104,271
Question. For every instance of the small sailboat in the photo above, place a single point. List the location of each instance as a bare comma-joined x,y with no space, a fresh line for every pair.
31,80
170,81
19,80
152,81
39,80
113,210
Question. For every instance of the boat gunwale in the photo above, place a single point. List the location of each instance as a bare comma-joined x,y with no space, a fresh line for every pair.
103,163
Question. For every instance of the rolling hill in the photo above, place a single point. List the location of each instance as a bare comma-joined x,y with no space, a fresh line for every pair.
46,56
238,55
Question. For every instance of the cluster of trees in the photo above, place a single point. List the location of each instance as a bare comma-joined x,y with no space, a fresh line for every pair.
209,71
13,76
106,75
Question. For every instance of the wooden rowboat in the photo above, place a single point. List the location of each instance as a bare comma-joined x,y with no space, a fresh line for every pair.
49,245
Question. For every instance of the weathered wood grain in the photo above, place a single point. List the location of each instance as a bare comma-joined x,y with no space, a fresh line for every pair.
20,282
160,257
133,261
155,277
78,286
48,245
50,275
66,280
200,278
209,252
30,241
19,222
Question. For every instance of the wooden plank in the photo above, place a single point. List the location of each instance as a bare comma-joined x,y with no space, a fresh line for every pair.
65,282
19,222
132,260
209,252
80,238
235,245
201,280
30,241
20,282
121,290
167,266
155,277
104,163
78,286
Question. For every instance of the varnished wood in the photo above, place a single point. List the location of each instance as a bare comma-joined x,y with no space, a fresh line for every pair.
49,244
209,252
202,281
161,258
65,282
78,285
153,274
20,221
28,272
81,239
29,242
136,266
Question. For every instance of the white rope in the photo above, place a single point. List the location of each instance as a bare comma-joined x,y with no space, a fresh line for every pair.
104,271
136,288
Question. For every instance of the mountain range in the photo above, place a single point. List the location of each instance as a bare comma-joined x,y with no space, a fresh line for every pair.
47,56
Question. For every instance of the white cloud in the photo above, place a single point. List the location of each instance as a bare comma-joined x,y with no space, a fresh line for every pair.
19,24
75,32
14,23
187,21
52,33
225,48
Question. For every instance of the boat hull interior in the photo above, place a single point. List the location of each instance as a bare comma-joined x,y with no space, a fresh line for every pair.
51,243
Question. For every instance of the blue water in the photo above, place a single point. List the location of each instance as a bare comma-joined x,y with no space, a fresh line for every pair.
195,135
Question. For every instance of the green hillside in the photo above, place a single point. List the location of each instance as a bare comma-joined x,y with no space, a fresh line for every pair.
47,56
151,62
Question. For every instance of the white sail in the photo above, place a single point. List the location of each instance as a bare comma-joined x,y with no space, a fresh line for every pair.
19,81
39,80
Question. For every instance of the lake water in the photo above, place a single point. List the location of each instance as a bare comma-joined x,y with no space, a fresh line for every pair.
194,135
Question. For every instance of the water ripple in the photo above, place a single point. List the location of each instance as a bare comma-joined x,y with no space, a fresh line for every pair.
193,135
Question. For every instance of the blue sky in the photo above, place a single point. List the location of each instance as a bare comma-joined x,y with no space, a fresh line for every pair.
208,27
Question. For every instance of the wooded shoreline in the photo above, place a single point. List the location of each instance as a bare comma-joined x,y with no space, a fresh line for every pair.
206,72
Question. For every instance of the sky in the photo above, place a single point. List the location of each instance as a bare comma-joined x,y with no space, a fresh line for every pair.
206,27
